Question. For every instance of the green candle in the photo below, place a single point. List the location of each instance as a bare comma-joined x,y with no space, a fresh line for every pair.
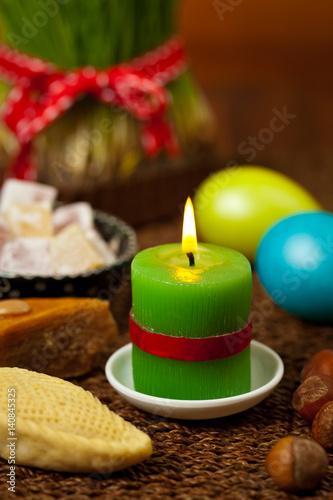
175,297
208,299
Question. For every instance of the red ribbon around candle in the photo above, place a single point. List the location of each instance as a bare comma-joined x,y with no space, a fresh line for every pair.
42,92
190,349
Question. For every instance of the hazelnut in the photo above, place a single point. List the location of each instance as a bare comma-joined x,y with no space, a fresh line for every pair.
322,427
296,463
312,395
321,362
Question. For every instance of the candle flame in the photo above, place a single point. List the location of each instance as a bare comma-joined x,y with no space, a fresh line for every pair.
189,241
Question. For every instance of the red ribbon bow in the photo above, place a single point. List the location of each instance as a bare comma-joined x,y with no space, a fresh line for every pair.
42,92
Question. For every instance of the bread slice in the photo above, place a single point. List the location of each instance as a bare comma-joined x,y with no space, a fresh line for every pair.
58,336
60,426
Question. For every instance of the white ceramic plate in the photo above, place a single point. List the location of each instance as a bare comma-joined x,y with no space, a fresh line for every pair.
266,372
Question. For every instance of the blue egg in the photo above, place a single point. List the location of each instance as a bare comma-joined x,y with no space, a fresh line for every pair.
294,262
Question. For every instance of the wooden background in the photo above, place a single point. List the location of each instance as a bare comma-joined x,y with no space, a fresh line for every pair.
263,56
236,41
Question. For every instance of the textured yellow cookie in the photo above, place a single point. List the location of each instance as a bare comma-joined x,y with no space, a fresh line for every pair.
60,426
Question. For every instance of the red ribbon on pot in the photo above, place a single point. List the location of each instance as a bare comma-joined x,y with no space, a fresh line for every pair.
42,92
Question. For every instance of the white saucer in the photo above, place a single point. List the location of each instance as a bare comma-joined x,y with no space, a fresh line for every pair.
266,372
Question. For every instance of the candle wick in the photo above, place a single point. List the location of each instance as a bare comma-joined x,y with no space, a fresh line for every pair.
191,258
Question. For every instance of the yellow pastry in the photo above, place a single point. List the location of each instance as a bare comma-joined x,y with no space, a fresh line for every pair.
60,426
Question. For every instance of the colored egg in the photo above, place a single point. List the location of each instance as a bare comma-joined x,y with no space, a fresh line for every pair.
235,206
294,263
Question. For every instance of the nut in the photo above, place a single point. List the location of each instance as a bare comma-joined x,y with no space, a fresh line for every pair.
312,395
296,463
320,363
322,427
13,307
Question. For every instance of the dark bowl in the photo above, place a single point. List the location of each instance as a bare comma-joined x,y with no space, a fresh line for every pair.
104,282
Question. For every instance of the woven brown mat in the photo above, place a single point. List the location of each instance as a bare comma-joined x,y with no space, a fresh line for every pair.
222,458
